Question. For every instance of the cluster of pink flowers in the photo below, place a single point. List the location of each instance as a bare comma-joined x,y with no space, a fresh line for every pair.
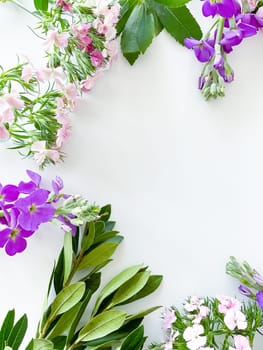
78,52
207,324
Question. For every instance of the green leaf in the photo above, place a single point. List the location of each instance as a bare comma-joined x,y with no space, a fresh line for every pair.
58,272
173,3
68,255
17,334
143,313
98,255
115,283
6,327
67,298
179,22
88,238
41,5
99,227
40,344
65,321
105,212
102,324
152,284
126,10
138,32
118,335
135,340
130,288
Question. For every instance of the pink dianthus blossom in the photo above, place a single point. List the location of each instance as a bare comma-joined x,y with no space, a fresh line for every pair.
241,343
41,152
4,134
227,303
235,319
96,58
168,318
54,38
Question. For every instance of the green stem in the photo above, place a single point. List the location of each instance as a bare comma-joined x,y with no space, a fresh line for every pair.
220,29
24,8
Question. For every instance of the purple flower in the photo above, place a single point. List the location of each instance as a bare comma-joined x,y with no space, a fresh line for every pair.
202,49
29,187
57,184
252,19
13,237
66,225
244,290
231,38
259,298
247,30
8,193
34,210
224,8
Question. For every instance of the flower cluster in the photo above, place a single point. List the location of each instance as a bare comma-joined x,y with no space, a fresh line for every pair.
24,207
36,103
251,281
233,23
214,323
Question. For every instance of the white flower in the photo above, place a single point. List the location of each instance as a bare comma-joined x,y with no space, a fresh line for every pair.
235,319
193,338
241,343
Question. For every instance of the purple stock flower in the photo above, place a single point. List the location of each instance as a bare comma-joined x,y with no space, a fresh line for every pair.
13,237
252,19
34,210
29,187
224,8
244,290
57,184
202,49
66,225
8,193
231,38
259,298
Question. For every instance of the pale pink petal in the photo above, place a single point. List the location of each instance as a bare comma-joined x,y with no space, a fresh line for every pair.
4,134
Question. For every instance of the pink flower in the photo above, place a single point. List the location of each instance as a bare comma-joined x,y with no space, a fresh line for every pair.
14,100
4,134
168,318
41,152
96,58
235,319
66,6
6,113
227,303
241,343
193,304
252,4
193,337
89,82
44,74
27,73
56,39
65,131
260,12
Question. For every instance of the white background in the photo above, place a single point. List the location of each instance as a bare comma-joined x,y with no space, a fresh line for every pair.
184,176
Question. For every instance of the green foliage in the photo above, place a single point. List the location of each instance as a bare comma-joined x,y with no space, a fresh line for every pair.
12,333
140,22
41,5
76,278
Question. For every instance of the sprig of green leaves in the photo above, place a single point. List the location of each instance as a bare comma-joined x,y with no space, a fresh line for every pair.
141,21
75,279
